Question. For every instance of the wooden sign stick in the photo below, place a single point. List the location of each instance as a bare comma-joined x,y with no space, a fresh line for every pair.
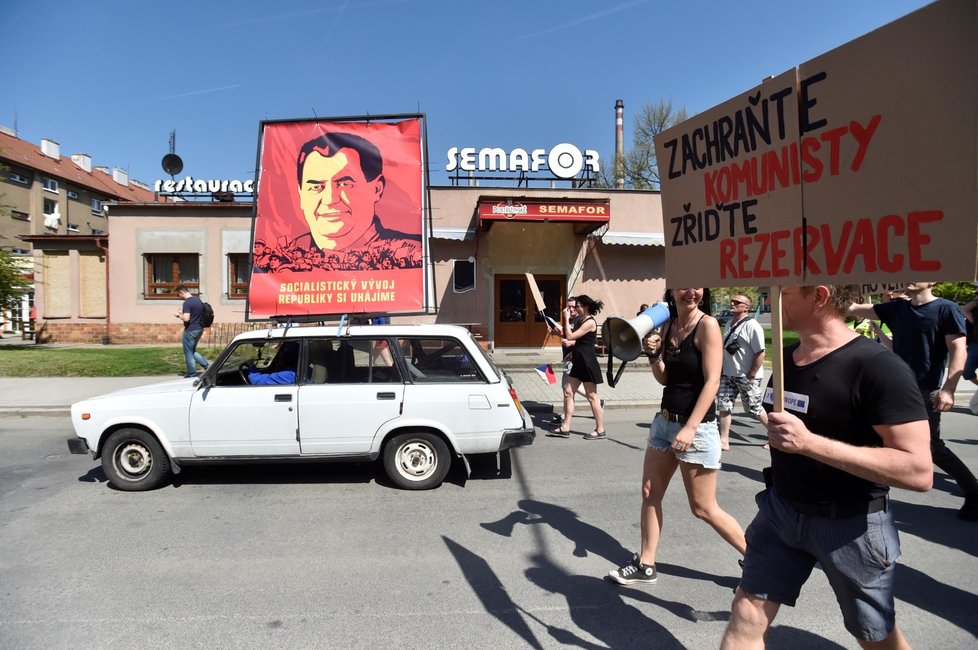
535,290
777,350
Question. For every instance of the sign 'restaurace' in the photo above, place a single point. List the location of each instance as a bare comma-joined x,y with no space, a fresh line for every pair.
189,184
564,160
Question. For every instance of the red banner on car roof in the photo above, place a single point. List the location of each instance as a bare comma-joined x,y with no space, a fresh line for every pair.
339,222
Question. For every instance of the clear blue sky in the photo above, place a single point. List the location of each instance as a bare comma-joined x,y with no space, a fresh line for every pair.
112,78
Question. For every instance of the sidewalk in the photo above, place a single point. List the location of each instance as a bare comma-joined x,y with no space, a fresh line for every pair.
637,388
54,396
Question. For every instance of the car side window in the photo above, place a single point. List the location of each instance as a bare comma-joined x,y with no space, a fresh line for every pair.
433,360
257,356
337,360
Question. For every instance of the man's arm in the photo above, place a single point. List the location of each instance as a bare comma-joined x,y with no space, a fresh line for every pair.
955,367
757,337
864,310
903,461
755,367
183,314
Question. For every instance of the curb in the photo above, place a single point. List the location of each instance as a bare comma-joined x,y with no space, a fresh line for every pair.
35,411
533,406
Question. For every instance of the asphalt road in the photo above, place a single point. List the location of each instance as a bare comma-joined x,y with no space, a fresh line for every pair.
330,556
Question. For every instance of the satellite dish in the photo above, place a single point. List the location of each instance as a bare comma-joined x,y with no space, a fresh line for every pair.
172,164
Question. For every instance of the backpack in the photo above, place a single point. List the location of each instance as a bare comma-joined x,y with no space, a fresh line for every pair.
207,315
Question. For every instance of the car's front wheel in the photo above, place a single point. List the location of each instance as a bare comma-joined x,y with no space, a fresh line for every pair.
134,460
417,461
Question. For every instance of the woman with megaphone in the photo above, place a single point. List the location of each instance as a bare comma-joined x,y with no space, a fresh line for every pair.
687,360
585,368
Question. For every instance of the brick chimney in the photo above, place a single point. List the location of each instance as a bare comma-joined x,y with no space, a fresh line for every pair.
619,144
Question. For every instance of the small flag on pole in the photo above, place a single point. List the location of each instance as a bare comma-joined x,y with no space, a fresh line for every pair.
546,373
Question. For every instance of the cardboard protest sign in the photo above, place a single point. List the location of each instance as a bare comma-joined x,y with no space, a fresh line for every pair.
897,112
859,166
728,175
340,219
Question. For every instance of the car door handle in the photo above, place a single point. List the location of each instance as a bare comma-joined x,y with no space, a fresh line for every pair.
386,395
283,398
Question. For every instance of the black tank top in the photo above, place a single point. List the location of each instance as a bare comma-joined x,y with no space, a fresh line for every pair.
684,368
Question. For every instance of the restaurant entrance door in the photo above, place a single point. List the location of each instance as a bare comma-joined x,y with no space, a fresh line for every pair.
517,322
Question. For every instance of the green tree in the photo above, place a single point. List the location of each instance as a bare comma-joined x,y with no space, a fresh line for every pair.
639,168
959,292
13,283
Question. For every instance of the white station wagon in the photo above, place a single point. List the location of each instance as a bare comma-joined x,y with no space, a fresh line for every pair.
415,396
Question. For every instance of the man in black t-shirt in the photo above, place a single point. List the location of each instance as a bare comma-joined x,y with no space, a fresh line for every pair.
190,313
853,425
928,332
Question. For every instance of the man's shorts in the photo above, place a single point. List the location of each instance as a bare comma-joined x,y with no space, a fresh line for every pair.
858,555
705,449
748,389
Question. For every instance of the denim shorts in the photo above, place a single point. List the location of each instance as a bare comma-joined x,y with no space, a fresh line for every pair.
705,449
858,555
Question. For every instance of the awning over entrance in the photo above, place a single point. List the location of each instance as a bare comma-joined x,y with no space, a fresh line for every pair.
457,234
587,215
633,238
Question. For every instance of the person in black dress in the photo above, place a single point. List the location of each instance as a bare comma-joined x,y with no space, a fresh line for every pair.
584,366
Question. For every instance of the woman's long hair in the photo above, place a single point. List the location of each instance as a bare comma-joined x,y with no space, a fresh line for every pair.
593,306
706,305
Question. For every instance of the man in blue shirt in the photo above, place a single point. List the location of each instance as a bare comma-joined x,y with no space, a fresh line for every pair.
926,331
281,370
190,313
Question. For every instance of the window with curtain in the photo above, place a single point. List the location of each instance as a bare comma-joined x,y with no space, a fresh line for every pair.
165,271
238,271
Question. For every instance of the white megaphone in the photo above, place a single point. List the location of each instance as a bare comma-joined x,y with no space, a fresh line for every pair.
624,337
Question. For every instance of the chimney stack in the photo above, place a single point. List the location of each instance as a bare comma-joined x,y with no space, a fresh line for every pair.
83,160
51,149
619,144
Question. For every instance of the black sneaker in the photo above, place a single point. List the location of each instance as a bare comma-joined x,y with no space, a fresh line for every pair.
558,419
635,573
969,511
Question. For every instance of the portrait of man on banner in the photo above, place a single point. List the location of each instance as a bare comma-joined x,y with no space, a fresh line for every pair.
339,221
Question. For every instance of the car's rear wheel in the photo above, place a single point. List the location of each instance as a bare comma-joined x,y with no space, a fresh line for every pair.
417,461
134,460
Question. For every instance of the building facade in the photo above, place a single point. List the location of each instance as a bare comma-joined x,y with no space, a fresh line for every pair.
483,241
48,198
